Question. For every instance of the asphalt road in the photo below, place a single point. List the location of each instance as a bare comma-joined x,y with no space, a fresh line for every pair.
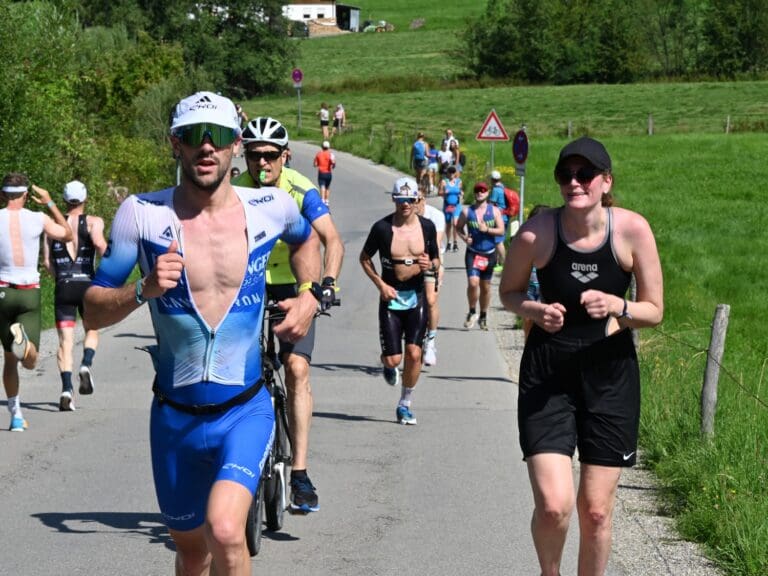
447,497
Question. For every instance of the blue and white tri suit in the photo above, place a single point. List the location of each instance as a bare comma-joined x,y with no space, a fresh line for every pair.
198,364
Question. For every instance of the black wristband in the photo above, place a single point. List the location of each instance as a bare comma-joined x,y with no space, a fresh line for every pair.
329,281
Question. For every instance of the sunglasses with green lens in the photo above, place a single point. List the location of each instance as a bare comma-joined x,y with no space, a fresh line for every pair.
194,134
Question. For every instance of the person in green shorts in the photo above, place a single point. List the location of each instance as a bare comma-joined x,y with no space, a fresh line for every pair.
20,231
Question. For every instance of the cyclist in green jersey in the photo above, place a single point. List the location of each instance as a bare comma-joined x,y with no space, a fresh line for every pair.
266,141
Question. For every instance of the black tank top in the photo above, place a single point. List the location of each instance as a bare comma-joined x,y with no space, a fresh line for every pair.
570,272
82,267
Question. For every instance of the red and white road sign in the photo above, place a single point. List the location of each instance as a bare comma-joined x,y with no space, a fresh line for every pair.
492,129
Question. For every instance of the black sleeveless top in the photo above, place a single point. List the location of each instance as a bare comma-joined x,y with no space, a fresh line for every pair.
380,240
82,267
570,272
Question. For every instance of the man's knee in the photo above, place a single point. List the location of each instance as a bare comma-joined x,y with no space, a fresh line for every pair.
297,372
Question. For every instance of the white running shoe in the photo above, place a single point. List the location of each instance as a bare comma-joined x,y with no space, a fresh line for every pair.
470,321
65,402
430,352
86,380
20,345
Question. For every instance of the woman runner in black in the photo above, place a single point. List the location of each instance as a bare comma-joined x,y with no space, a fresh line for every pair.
579,378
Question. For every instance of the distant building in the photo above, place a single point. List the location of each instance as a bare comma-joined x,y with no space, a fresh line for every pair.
347,17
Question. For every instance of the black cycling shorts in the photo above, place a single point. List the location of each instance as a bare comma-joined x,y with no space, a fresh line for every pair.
306,345
396,325
579,394
68,299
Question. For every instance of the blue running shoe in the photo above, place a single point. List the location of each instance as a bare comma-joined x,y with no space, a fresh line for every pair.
303,495
18,424
405,416
392,376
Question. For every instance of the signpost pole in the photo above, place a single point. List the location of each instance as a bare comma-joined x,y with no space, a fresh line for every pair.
520,152
298,119
493,154
297,76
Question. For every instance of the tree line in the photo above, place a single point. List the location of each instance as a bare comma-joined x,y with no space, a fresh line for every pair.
86,86
617,41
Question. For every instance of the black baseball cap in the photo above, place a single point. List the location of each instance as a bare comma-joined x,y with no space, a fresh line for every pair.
590,149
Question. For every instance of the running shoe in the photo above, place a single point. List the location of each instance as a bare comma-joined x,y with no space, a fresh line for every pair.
65,402
498,269
20,345
470,321
18,424
405,416
430,353
303,495
86,380
483,323
392,376
455,247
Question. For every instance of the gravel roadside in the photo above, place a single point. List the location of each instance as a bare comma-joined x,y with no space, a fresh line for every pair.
645,543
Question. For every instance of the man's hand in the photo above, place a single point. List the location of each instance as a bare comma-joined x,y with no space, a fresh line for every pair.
166,274
299,313
40,195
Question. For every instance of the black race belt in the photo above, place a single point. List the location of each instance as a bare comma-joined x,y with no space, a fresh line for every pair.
207,409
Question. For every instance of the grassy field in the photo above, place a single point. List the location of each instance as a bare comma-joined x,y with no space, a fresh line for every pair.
700,189
391,58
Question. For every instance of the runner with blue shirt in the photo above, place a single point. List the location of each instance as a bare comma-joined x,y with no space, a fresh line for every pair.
453,196
483,225
202,249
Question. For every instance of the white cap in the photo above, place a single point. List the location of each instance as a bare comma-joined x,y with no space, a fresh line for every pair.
405,187
74,192
205,107
495,175
326,144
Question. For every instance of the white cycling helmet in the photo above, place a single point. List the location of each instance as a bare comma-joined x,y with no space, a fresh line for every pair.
266,129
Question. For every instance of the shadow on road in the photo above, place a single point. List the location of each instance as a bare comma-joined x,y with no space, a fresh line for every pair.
143,523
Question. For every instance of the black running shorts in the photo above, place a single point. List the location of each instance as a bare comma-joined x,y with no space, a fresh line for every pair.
398,325
580,394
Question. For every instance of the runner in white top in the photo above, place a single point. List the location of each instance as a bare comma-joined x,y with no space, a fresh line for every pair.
432,282
20,231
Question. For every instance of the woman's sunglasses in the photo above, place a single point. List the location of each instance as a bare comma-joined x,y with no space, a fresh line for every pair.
584,175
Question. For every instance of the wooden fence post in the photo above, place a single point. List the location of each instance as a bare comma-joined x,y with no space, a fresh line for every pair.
712,373
570,129
650,124
370,138
728,124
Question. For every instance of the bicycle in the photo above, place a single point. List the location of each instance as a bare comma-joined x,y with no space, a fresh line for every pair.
271,498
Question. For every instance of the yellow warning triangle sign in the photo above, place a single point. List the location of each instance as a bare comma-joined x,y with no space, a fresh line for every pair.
492,129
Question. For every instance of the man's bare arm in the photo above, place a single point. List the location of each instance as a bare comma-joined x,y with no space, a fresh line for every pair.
334,247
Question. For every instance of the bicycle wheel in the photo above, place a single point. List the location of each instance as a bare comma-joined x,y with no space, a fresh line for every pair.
253,524
275,497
